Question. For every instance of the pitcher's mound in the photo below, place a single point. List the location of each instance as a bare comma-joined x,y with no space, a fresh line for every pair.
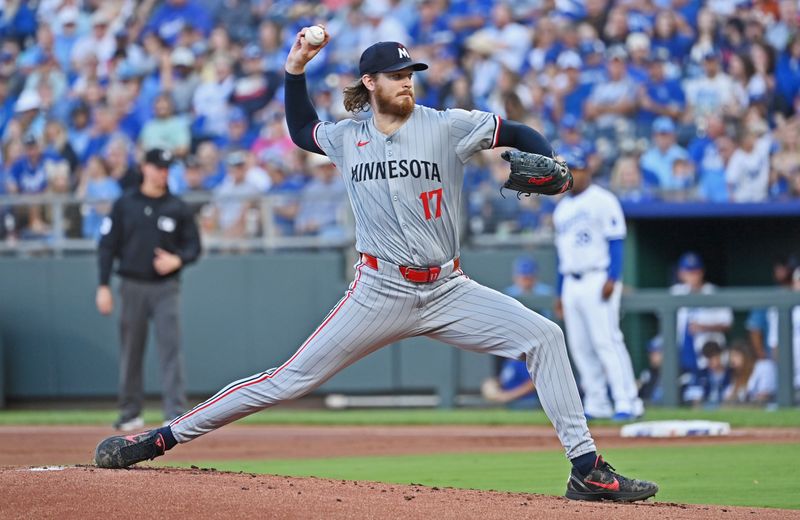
87,492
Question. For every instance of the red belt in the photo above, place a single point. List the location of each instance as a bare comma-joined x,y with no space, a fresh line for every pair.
412,274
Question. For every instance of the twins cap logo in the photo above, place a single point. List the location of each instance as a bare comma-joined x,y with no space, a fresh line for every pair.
402,52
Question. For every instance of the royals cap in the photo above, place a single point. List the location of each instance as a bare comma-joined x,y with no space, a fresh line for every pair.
663,125
158,157
576,159
387,57
690,261
525,266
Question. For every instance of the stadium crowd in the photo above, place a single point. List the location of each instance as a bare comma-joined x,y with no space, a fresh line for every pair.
676,100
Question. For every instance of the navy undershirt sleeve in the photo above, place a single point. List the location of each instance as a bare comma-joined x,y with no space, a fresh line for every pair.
301,117
522,137
615,252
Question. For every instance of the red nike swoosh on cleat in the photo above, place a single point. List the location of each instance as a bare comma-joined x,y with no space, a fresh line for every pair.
362,143
614,486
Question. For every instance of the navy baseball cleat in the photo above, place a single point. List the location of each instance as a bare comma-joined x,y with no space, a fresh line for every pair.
603,483
125,450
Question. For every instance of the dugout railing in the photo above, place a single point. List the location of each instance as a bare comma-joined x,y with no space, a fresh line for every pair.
665,307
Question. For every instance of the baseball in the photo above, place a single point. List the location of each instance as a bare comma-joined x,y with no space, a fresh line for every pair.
315,35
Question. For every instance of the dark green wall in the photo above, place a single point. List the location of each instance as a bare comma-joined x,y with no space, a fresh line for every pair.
736,251
241,315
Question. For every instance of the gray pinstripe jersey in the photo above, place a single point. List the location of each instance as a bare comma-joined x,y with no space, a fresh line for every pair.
405,188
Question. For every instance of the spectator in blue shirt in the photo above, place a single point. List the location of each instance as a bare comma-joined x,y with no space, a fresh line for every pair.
100,190
709,385
613,102
169,19
6,104
762,323
659,96
28,173
638,46
105,126
66,36
18,24
707,153
240,135
211,164
672,34
660,158
513,383
284,191
526,279
787,74
627,181
79,130
430,26
569,93
571,141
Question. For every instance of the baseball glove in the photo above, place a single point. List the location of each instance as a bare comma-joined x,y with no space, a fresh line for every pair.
534,173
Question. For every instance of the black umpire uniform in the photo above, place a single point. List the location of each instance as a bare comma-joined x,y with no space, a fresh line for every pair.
148,228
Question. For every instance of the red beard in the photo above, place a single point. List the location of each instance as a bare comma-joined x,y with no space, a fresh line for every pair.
397,105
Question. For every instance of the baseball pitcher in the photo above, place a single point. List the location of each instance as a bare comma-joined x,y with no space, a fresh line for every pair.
403,168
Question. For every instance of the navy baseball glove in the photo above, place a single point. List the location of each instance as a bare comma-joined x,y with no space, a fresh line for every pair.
534,173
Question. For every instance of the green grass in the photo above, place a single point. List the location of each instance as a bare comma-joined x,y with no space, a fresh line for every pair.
755,475
491,416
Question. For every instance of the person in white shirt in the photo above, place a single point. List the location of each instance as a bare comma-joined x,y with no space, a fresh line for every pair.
754,380
697,325
712,93
747,173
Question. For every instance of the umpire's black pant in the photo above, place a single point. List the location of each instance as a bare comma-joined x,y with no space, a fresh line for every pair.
141,302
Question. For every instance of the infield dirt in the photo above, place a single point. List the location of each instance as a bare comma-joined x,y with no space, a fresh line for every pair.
44,473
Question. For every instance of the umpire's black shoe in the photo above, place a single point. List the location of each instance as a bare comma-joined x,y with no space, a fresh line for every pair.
125,450
603,483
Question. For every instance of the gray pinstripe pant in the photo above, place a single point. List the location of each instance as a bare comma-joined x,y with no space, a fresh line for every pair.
380,308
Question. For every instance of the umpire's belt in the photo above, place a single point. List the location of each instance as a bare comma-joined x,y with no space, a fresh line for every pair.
417,274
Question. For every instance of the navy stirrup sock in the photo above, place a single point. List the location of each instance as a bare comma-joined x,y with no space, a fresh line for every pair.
169,439
585,463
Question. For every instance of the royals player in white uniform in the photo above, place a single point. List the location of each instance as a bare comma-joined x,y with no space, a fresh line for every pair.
403,168
590,230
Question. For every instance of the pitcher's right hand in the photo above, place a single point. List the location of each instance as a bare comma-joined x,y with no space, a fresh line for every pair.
302,52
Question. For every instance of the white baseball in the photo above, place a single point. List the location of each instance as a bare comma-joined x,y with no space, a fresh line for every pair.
315,35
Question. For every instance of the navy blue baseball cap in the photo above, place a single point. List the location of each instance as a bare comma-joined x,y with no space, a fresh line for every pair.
158,157
690,261
387,57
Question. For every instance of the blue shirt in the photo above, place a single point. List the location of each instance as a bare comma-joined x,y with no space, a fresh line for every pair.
710,165
290,187
660,164
513,374
30,177
787,76
573,102
664,93
169,20
708,386
98,190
